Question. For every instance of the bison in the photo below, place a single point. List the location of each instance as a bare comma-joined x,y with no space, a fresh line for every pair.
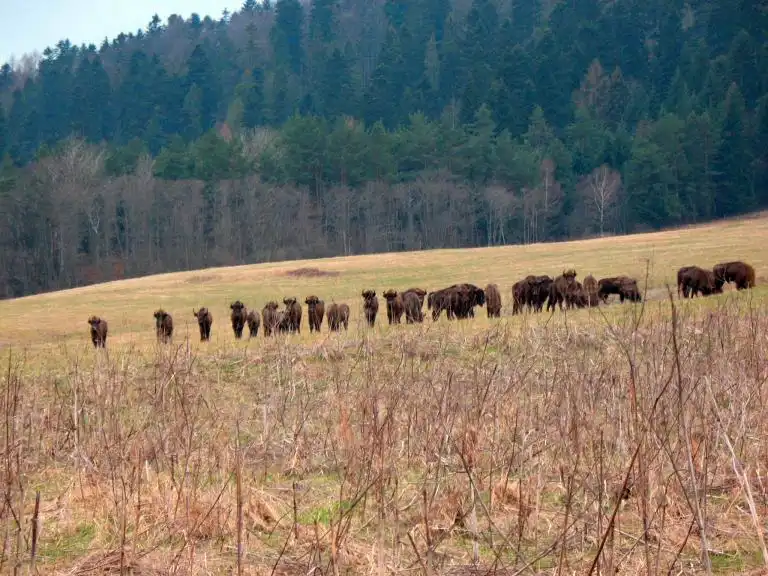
493,301
591,290
253,321
458,301
693,280
338,316
540,289
204,321
238,317
395,307
98,331
370,306
560,288
163,325
293,314
412,305
271,318
740,273
315,312
623,286
418,292
521,294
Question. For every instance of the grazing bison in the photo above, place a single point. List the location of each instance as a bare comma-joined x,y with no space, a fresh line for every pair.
238,317
740,273
395,307
338,316
315,312
559,289
271,318
98,331
293,314
412,305
253,321
204,321
163,325
623,286
692,281
370,306
493,301
458,301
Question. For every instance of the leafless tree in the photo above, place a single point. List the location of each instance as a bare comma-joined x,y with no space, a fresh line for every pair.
602,187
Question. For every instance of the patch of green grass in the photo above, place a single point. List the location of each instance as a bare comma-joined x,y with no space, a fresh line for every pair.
68,545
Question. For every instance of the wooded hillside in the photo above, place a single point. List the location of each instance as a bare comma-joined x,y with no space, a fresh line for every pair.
292,130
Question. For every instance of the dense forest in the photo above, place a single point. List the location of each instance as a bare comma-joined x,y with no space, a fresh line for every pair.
292,129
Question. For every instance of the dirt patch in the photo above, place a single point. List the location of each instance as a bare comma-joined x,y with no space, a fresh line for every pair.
310,273
202,278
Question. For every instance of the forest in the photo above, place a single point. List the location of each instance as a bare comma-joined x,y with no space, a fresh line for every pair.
298,130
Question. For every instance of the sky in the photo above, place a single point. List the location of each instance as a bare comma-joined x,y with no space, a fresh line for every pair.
29,25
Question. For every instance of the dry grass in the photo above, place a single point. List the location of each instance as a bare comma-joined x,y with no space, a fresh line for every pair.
629,438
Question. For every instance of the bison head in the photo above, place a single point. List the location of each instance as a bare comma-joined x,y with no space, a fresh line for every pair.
390,295
369,294
237,305
311,300
289,301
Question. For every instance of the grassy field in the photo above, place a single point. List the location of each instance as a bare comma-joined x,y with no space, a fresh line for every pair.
629,438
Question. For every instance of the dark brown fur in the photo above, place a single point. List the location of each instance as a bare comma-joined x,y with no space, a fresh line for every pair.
412,305
421,294
238,317
204,322
740,273
253,321
338,316
271,318
693,281
591,291
98,331
370,306
315,312
395,307
558,291
163,325
613,285
493,301
458,301
293,314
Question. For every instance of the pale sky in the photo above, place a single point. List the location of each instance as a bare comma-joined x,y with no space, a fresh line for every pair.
29,25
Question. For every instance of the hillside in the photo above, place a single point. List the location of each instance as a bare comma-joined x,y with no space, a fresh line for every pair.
377,127
533,442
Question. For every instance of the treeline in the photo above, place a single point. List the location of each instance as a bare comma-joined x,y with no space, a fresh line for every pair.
344,126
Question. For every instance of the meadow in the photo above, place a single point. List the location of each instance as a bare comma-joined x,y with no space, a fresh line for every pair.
624,439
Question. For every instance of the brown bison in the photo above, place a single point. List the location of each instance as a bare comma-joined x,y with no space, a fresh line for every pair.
271,318
740,273
560,288
623,286
293,314
98,331
253,321
540,289
419,293
370,306
315,312
576,296
395,307
338,316
458,301
163,325
591,290
238,317
692,281
412,305
204,321
628,290
492,301
521,294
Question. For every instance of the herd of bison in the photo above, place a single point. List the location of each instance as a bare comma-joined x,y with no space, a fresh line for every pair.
458,302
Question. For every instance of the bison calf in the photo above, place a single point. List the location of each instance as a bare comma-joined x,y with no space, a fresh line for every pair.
370,306
238,316
98,331
163,325
492,301
204,321
315,312
253,321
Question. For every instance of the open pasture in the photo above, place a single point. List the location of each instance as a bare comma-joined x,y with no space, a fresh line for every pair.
627,437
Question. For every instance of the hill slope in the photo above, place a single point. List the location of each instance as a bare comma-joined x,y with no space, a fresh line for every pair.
129,304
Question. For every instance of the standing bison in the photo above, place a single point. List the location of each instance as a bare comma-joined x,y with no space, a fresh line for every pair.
420,294
591,290
412,305
163,325
492,301
395,307
693,280
292,314
740,273
98,331
623,286
238,317
458,301
560,288
253,321
271,318
338,316
204,322
315,312
370,306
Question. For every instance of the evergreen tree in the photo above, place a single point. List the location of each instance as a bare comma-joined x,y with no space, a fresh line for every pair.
733,190
286,35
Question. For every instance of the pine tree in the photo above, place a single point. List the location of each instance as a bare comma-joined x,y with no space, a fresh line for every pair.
286,35
733,190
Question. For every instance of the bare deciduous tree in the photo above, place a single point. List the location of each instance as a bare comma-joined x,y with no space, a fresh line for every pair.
602,188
